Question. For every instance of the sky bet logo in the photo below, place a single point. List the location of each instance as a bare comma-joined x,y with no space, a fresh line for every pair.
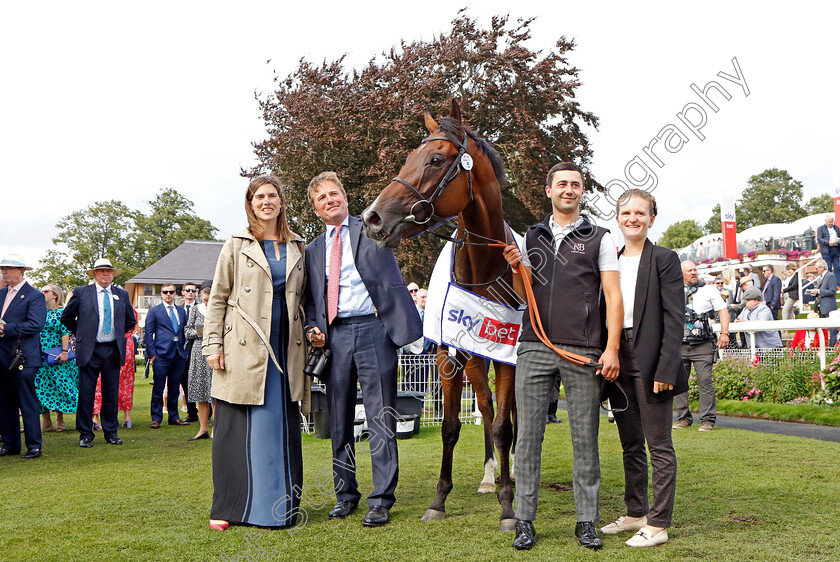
491,330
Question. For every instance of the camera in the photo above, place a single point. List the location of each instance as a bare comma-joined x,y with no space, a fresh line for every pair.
316,362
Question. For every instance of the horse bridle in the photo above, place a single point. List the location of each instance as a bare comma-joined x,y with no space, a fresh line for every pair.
453,172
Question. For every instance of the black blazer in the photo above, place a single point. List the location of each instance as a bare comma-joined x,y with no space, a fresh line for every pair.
658,321
25,317
81,316
382,278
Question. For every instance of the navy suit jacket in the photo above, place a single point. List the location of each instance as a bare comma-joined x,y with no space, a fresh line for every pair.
773,292
25,317
823,237
828,293
160,337
382,278
81,316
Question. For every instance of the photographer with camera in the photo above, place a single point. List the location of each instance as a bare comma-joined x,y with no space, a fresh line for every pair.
698,345
23,315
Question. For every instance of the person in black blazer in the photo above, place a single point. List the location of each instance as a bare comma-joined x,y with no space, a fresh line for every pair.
651,371
166,348
22,318
99,314
772,291
375,315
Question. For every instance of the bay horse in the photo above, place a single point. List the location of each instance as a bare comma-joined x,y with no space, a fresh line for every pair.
438,181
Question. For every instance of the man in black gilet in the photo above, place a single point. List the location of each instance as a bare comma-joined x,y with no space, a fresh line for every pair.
572,261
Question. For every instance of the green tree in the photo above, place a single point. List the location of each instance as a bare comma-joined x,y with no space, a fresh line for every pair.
819,204
772,196
170,222
681,234
104,229
363,123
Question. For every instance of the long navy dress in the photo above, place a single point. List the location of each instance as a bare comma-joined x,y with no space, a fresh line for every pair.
257,459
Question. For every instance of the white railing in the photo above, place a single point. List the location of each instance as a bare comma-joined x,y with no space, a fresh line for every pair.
753,326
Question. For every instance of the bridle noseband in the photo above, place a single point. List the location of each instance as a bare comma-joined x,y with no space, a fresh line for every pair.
462,162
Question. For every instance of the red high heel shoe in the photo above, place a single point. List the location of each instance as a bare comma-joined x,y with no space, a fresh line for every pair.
218,525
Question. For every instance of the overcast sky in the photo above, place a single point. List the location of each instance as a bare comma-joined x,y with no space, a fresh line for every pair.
117,100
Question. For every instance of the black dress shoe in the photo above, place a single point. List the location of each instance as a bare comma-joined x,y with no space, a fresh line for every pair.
343,508
526,535
32,454
114,440
588,536
376,517
85,443
204,435
4,452
178,421
551,418
191,419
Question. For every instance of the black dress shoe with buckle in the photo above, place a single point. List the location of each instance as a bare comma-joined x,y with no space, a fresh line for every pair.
526,535
85,443
4,452
376,517
343,508
114,440
32,454
587,535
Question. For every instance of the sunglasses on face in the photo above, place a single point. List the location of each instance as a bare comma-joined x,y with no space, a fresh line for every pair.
190,290
412,290
167,292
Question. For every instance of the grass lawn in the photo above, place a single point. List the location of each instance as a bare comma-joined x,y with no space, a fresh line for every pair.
740,496
808,413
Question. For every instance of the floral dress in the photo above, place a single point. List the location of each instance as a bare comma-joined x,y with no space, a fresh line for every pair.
57,386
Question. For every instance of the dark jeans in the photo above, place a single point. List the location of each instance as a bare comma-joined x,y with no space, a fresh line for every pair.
646,422
167,372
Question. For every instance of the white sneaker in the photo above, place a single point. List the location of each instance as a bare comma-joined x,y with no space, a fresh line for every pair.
643,538
618,526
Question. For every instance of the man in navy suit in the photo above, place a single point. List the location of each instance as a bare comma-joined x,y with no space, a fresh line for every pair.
99,314
828,236
357,304
772,291
166,348
22,319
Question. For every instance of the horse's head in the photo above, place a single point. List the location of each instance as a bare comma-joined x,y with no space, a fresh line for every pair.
430,184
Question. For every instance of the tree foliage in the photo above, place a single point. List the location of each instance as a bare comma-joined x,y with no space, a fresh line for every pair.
130,239
681,234
772,196
819,204
363,123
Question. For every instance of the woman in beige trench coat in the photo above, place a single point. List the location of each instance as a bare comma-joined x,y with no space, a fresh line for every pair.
253,340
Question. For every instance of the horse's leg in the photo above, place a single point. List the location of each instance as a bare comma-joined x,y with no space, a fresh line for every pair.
477,375
450,369
503,437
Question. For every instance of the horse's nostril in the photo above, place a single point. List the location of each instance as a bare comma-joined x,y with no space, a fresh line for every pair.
374,218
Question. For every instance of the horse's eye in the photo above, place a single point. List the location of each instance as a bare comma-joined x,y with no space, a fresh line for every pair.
435,160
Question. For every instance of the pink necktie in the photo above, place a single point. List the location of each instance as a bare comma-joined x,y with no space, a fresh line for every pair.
335,275
10,296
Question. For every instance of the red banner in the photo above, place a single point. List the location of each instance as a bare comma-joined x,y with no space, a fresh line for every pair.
729,228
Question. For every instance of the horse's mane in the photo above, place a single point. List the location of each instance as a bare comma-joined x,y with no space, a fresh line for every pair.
454,128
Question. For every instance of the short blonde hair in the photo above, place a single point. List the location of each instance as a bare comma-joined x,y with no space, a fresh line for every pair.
320,180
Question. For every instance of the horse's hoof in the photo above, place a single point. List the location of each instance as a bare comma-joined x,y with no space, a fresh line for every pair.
506,525
486,488
434,515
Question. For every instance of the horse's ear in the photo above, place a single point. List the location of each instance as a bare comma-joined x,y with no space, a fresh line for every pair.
455,111
431,124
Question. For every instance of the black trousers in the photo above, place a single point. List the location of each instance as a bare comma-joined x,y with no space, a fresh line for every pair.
105,361
17,391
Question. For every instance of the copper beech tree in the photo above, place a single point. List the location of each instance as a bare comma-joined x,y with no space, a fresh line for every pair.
362,123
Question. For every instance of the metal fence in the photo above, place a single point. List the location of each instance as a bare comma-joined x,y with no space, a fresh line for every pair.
418,373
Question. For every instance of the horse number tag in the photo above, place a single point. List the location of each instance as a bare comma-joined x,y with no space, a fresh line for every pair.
466,162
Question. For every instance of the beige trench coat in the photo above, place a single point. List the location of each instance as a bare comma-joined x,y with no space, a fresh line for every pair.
238,321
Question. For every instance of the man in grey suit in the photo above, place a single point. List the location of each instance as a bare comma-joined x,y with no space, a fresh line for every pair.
826,294
357,305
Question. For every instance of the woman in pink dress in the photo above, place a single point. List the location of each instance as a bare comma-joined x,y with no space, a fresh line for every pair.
126,394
